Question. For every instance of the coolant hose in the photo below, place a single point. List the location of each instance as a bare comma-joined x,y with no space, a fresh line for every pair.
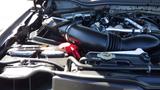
85,37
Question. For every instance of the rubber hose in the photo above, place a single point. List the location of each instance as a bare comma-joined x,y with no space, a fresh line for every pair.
85,37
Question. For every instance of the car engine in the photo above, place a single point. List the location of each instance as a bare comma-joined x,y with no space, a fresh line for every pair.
82,47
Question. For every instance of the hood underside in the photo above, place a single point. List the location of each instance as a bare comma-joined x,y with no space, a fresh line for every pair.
150,6
125,2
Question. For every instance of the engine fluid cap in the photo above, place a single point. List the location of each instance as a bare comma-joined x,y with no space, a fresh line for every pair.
70,49
106,55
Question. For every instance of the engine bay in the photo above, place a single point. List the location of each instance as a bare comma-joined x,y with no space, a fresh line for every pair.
81,41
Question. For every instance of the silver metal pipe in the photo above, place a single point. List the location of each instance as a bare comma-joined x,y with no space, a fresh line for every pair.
125,30
133,23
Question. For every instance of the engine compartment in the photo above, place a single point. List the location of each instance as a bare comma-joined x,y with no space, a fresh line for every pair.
85,42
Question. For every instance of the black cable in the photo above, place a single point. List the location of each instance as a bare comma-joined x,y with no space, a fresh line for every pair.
49,62
8,62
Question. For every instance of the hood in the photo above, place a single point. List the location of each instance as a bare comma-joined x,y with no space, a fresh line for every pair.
150,6
124,2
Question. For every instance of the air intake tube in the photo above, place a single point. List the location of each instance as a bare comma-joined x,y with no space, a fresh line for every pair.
92,40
